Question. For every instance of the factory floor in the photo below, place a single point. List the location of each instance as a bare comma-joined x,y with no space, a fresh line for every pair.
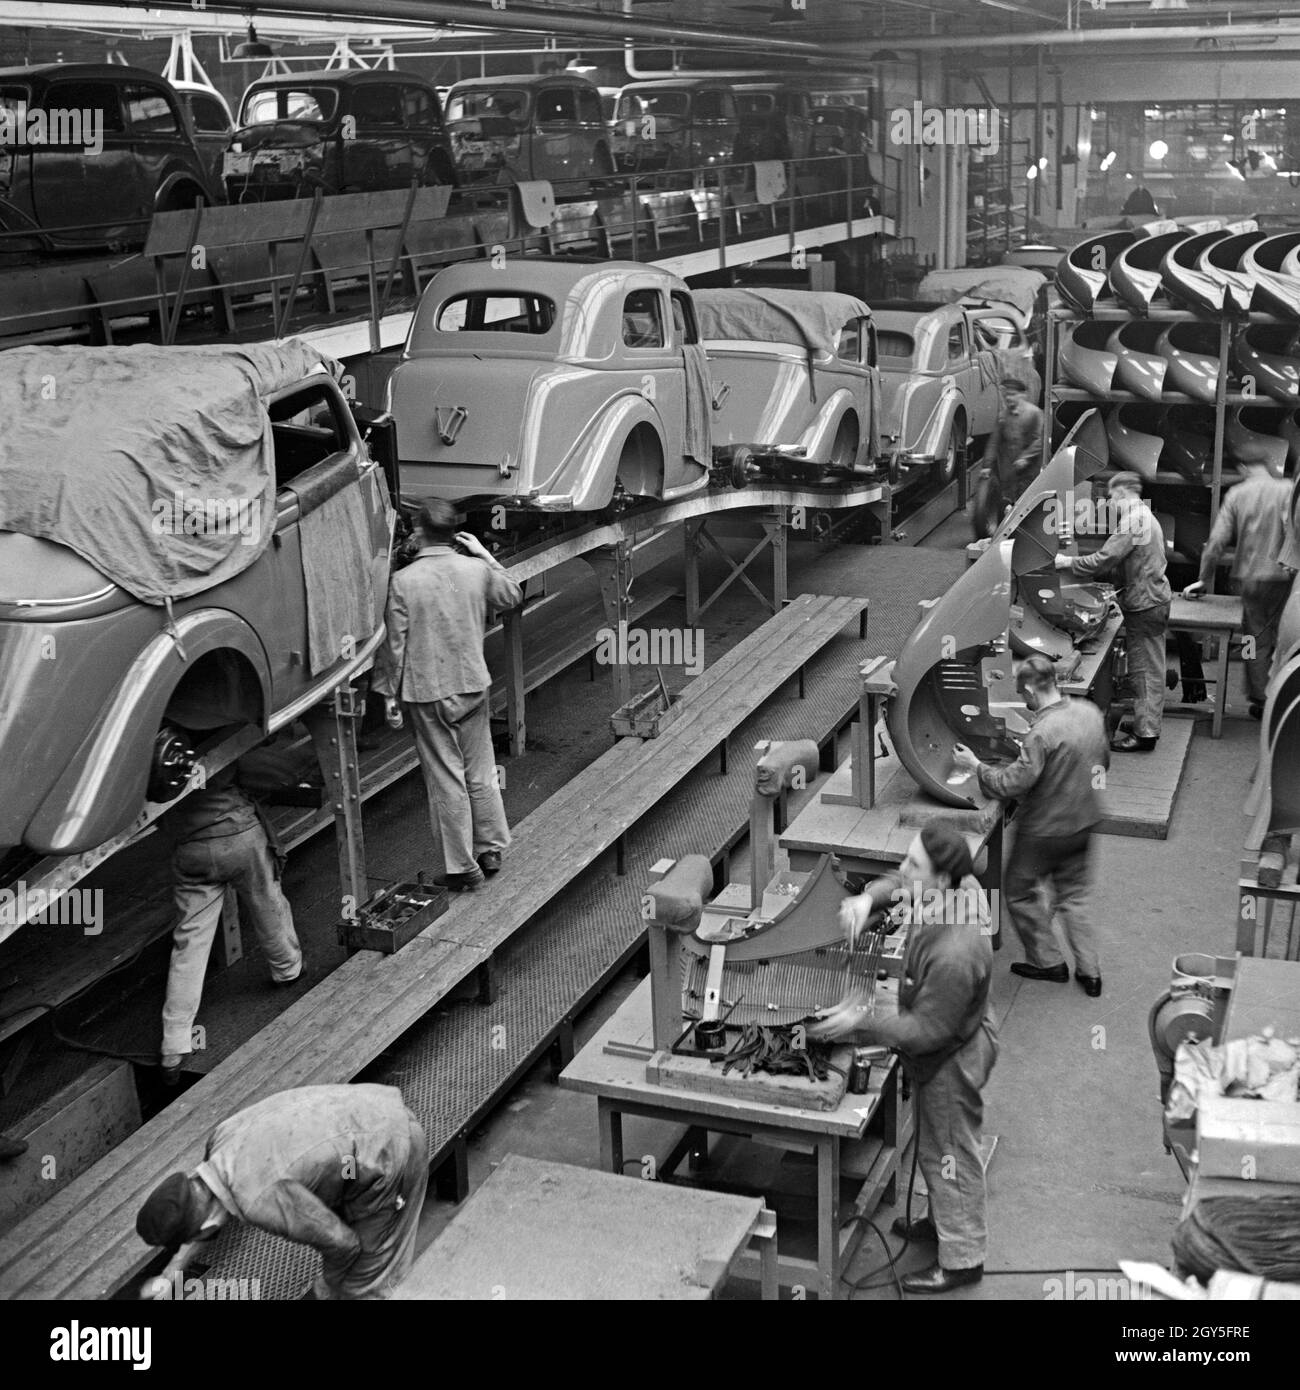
1079,1178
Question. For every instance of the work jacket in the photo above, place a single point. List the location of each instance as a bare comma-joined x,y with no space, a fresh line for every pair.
309,1164
943,997
1014,448
436,620
1136,548
1253,518
1055,779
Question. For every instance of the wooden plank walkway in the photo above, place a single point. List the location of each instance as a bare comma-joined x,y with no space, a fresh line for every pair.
82,1243
1141,788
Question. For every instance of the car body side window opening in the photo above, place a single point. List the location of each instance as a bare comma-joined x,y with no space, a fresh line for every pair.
685,330
643,325
956,343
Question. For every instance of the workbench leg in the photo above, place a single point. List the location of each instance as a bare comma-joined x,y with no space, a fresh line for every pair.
516,715
451,1181
769,1277
828,1216
1221,691
562,1048
697,1149
610,1123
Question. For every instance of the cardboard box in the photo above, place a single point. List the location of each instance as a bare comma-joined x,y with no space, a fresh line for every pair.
1254,1140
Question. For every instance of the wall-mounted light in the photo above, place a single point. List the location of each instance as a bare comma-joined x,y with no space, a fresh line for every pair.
1032,172
579,63
1107,160
1157,149
1042,161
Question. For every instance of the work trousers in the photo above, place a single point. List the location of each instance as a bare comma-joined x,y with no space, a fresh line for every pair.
202,870
454,741
1144,634
1262,602
949,1120
1046,872
385,1219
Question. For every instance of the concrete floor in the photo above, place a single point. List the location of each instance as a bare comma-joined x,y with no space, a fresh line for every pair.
1079,1178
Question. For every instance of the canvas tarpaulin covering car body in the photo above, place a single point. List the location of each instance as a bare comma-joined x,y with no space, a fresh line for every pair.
811,318
1014,285
154,464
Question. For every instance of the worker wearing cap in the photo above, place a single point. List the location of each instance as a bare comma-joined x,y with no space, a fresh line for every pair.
1056,780
946,1033
340,1168
1014,450
1135,549
1253,519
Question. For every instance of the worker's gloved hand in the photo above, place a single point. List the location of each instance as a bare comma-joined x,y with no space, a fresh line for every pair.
1194,590
1064,562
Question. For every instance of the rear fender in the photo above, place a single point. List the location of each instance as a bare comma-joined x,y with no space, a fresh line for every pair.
103,786
929,439
818,439
588,471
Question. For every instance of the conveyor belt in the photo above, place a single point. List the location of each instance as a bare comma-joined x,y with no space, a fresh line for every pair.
448,1067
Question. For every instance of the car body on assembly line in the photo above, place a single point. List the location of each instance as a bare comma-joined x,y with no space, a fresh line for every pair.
557,384
139,618
940,369
351,131
686,123
113,147
510,129
795,388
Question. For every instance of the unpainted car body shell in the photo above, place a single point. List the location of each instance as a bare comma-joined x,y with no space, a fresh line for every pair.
77,744
682,140
1276,794
1245,443
547,417
1265,261
1130,445
1185,281
1221,260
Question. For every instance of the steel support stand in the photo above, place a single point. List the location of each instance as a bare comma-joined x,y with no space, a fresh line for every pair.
516,713
333,728
613,567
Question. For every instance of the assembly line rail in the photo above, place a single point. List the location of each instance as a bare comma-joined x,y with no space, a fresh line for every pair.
82,1243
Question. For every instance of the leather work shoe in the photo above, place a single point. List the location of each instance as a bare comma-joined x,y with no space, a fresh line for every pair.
490,862
1091,984
920,1229
936,1279
1256,711
461,883
1054,974
11,1148
1131,743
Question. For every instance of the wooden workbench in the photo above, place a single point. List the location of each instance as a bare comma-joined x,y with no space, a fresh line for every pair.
876,841
837,1138
540,1230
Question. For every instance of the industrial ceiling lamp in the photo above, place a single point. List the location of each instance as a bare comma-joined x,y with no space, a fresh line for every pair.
252,49
579,63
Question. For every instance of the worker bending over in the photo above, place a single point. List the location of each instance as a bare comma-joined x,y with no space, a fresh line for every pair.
1136,548
340,1168
1253,519
1057,781
946,1033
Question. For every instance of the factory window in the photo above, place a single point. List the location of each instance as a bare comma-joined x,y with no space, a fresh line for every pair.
643,324
496,313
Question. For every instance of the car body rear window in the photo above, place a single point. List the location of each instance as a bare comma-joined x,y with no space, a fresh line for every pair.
891,343
290,104
496,312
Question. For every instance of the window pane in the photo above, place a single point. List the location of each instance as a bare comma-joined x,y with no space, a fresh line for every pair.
684,329
208,114
149,110
589,108
642,320
290,103
377,106
956,342
848,344
496,313
556,107
418,106
714,106
890,343
96,97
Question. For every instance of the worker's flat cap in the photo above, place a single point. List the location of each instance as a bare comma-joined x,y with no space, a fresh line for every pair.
170,1214
1128,479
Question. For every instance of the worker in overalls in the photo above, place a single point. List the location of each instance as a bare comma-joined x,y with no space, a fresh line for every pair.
340,1168
946,1034
1012,458
1135,548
